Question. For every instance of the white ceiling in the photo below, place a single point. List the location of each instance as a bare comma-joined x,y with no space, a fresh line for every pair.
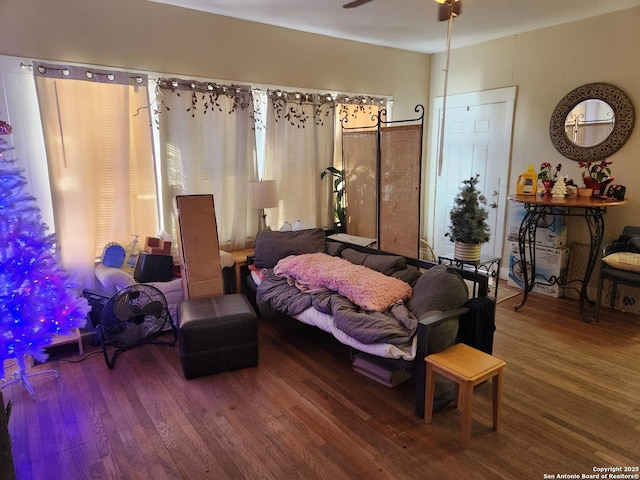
409,24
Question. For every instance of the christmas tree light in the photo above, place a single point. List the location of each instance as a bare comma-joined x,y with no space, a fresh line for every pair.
37,298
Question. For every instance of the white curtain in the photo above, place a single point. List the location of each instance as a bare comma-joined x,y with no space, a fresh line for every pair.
99,151
207,144
299,146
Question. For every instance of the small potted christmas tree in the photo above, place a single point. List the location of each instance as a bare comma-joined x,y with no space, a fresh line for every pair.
469,228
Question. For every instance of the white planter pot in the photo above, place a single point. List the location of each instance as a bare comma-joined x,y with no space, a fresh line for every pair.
467,251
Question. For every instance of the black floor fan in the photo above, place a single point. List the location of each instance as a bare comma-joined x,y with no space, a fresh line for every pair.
134,316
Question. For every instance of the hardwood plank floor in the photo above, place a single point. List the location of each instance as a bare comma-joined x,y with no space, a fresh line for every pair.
571,402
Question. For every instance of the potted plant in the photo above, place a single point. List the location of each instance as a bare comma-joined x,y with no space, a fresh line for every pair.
469,228
596,175
339,207
547,176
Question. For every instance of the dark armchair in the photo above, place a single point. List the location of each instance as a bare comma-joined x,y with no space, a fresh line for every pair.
620,264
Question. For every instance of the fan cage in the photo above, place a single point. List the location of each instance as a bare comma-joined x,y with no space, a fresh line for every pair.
132,317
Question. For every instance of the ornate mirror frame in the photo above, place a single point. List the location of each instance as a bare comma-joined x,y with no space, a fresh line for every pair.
622,111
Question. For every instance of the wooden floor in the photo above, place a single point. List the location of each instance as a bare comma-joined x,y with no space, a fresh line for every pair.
571,403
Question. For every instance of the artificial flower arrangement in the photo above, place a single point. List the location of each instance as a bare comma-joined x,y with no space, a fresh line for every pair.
546,172
596,171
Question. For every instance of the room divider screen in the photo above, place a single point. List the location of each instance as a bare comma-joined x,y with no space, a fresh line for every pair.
383,171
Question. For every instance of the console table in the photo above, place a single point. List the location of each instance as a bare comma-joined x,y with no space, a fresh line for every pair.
591,209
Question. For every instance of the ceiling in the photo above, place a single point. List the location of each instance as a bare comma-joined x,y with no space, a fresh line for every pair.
409,24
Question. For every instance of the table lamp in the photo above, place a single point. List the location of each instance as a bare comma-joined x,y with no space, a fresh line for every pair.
263,194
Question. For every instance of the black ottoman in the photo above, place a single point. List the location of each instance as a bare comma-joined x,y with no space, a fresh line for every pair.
217,334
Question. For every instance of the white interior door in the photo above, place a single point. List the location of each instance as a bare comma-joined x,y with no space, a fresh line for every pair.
477,141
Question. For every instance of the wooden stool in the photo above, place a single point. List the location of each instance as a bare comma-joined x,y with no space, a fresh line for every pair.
467,367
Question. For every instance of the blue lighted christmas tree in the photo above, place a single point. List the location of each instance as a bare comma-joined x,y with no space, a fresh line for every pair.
37,298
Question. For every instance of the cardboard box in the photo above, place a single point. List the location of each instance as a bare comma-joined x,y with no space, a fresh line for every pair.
156,246
551,230
551,264
198,246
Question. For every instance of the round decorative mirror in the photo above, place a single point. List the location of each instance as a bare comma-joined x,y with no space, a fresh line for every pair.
589,123
592,122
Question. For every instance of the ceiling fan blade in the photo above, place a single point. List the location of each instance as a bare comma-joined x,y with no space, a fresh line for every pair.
355,3
443,10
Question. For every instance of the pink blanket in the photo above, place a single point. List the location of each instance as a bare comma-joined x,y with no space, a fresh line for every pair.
370,290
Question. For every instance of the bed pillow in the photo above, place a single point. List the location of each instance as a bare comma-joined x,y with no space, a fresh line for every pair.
386,264
624,261
438,289
272,246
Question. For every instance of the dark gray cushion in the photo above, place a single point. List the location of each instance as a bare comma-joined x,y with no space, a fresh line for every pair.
442,335
634,244
409,275
438,289
386,264
333,248
272,246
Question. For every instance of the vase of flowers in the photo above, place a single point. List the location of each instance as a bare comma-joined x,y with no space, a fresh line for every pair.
548,176
596,175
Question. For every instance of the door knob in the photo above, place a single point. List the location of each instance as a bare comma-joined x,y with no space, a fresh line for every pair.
493,205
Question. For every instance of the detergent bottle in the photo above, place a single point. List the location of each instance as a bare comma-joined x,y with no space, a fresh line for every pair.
527,182
132,252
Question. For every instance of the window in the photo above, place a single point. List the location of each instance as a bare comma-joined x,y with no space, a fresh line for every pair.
107,178
100,160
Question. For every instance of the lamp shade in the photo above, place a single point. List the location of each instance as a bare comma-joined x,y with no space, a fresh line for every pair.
263,194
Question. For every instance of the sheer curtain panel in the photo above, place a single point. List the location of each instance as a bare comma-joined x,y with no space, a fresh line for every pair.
207,144
299,146
99,151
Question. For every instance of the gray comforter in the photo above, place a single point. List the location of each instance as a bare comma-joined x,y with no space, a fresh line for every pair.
395,326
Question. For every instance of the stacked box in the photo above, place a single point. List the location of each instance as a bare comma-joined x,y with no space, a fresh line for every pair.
157,246
551,263
551,230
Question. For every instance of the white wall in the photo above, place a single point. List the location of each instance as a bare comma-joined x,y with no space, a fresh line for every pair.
19,107
153,37
545,65
139,34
